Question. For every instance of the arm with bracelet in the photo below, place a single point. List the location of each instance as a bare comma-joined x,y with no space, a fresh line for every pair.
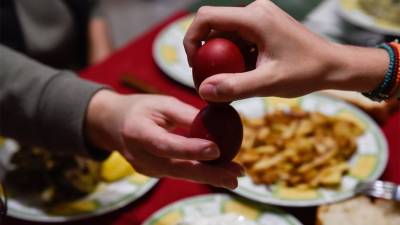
389,87
291,60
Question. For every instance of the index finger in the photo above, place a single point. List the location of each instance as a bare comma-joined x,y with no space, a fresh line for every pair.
178,112
161,143
225,19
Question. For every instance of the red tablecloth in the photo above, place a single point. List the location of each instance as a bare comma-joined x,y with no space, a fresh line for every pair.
136,59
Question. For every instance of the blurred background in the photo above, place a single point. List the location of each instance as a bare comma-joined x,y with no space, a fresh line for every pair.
130,18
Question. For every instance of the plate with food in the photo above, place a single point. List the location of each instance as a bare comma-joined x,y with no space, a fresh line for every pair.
307,151
219,209
381,16
360,210
46,187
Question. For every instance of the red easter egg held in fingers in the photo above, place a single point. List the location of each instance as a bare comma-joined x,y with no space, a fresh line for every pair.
220,124
218,55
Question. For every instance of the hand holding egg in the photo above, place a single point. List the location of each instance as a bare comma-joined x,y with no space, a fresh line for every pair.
220,122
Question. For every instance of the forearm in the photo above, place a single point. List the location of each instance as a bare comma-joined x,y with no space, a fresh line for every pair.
99,40
42,106
101,126
355,68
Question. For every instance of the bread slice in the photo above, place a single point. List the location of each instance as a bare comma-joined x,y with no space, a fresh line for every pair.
378,110
360,211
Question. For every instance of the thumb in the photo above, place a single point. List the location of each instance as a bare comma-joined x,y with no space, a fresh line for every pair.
233,86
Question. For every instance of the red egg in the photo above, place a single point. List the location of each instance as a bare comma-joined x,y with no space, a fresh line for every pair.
220,124
218,55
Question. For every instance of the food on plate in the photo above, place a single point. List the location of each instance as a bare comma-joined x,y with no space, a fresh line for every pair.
360,211
388,10
52,179
221,124
298,149
224,219
49,178
218,55
115,167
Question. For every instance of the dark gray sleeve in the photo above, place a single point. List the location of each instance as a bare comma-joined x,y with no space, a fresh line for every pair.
42,106
97,9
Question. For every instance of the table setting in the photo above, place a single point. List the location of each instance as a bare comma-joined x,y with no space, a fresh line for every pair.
156,63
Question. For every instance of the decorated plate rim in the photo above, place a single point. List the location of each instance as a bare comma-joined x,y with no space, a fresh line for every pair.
124,201
375,174
168,71
156,216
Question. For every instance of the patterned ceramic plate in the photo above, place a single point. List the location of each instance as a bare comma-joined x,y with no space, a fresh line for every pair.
106,198
169,53
218,204
368,163
354,13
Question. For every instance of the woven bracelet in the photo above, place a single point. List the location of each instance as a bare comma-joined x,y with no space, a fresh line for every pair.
381,92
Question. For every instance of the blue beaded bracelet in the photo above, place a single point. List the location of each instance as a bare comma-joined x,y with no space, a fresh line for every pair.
379,94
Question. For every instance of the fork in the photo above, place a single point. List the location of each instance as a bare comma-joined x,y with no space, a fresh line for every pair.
380,189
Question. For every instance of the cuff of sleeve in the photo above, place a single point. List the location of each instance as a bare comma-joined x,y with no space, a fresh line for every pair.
62,112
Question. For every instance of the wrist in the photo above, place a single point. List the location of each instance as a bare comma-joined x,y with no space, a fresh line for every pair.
355,68
100,121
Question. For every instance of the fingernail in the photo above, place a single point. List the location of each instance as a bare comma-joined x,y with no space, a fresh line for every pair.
211,152
208,90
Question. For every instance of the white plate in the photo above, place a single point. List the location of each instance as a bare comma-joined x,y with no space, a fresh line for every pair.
219,204
368,163
106,198
353,13
169,53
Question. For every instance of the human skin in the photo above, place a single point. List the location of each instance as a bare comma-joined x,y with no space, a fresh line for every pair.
100,45
139,127
292,61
